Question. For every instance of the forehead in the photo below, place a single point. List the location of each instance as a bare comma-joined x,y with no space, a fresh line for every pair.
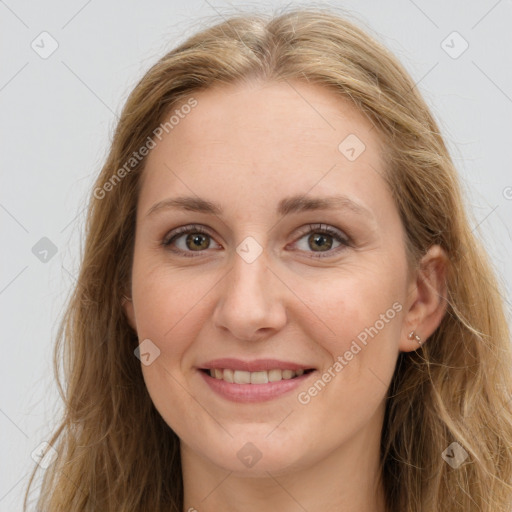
287,114
265,141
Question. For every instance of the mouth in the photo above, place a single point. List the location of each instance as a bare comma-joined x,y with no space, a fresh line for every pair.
259,377
253,381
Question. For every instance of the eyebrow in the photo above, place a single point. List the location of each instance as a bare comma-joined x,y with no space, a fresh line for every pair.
287,206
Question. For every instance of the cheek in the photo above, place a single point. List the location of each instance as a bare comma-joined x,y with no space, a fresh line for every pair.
170,311
162,295
361,316
167,305
352,305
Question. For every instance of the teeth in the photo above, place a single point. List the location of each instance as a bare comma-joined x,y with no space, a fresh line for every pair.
288,374
261,377
241,377
274,375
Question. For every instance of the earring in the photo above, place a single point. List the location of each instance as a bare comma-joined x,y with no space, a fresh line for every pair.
413,335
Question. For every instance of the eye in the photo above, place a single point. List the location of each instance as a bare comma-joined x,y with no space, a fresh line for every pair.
320,239
197,240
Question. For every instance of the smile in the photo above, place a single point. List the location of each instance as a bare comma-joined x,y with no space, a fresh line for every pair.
253,381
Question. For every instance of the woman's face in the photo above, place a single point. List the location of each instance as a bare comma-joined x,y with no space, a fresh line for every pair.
275,281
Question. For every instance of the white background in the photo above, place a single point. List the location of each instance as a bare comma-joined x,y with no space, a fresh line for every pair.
58,114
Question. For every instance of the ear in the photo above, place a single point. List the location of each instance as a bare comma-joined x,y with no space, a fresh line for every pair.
129,311
427,299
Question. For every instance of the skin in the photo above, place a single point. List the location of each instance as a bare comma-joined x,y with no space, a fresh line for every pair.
247,147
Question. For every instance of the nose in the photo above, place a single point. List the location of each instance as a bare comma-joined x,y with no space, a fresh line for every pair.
251,298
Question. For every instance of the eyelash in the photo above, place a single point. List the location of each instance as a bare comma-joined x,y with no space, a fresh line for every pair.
313,228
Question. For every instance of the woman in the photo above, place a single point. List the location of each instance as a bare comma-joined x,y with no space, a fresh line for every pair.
281,303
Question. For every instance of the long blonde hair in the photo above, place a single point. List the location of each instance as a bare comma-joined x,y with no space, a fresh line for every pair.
115,451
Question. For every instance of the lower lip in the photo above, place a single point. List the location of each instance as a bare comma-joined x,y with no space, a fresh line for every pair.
253,392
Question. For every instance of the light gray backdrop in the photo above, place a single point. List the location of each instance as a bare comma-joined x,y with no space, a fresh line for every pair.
66,70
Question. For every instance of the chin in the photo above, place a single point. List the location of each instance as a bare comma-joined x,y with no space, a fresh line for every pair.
258,455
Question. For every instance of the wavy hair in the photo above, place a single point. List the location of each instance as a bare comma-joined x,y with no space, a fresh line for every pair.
455,388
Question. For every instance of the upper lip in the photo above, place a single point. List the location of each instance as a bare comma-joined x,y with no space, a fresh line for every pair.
256,365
